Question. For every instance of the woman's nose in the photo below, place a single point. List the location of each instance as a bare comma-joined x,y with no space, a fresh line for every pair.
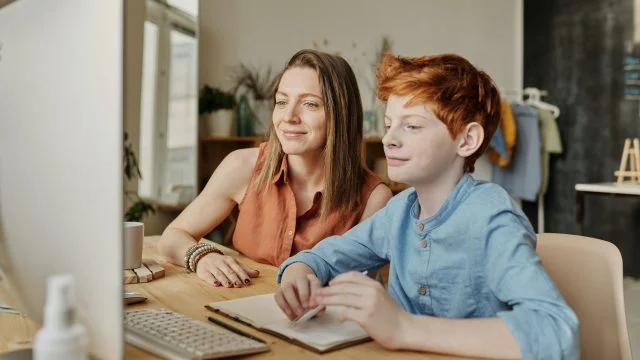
290,115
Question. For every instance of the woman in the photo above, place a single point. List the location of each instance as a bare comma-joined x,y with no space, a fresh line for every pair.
307,182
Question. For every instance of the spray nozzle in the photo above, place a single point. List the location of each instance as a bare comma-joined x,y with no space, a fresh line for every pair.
60,301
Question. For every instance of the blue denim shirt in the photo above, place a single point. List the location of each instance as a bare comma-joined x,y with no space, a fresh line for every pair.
474,258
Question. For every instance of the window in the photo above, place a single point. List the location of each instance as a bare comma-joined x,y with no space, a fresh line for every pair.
188,6
147,109
168,112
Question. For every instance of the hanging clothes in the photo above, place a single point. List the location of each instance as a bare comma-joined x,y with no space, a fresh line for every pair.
522,176
502,143
551,144
498,145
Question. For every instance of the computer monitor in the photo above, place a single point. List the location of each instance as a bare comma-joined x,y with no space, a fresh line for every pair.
61,134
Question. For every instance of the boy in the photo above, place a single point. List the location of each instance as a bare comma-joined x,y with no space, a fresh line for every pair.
464,276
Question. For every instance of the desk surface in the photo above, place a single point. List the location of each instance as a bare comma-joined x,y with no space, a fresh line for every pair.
186,294
610,188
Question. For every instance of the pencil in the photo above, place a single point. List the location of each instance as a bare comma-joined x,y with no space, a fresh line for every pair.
234,329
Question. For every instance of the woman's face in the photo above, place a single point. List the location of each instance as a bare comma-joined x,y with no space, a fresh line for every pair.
298,115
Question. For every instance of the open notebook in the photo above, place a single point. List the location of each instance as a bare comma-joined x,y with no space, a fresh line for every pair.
321,334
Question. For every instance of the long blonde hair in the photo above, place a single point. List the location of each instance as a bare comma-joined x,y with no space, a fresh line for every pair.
344,169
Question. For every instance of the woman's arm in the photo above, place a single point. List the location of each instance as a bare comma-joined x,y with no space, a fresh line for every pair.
224,190
377,200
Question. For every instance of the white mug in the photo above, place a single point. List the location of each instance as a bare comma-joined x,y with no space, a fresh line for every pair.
133,235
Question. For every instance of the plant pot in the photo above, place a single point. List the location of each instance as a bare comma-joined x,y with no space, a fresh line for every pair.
219,123
263,113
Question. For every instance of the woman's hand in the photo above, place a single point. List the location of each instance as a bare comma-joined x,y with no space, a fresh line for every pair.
223,270
294,296
366,302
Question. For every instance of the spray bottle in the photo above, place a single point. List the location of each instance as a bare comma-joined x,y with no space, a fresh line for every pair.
61,337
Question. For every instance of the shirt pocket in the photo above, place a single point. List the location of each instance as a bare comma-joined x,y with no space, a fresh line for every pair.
452,294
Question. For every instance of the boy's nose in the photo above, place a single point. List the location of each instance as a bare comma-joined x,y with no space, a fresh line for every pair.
389,140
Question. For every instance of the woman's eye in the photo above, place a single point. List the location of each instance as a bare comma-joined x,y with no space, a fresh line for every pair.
311,105
281,103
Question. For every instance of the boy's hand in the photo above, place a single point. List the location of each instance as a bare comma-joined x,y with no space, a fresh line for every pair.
367,303
293,296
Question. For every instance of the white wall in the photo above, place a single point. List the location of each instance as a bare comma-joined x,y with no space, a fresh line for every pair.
262,33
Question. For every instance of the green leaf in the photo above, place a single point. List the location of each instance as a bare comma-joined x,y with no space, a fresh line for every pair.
140,208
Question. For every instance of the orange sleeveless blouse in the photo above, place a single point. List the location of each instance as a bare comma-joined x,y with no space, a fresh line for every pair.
268,230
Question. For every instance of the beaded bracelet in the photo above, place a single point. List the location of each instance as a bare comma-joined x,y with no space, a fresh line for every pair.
189,252
201,255
198,253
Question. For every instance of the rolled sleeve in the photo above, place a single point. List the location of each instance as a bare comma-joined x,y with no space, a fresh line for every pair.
363,247
320,267
540,320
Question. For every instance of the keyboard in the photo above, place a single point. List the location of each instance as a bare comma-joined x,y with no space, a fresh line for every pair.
174,336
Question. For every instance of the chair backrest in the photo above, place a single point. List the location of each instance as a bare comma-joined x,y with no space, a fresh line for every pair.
588,273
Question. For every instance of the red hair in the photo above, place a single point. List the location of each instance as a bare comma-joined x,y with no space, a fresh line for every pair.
456,91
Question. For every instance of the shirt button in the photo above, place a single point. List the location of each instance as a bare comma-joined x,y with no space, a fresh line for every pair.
421,226
422,291
424,243
290,232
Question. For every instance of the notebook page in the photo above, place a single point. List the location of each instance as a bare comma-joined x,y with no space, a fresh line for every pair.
322,332
257,310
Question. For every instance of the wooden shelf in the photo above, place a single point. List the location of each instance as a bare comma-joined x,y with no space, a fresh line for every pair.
236,139
373,139
251,139
169,207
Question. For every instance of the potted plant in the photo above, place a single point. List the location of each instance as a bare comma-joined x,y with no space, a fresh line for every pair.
137,208
259,85
216,107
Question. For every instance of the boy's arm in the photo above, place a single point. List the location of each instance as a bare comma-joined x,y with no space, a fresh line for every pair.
363,247
539,319
484,338
539,325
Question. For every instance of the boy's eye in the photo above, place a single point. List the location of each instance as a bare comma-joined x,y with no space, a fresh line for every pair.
413,127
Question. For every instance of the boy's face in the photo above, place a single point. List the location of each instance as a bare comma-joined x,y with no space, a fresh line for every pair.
417,145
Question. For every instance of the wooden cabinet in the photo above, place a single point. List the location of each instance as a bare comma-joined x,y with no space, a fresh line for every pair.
212,150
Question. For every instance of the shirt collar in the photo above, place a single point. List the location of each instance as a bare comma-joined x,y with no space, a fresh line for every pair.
282,173
282,176
465,184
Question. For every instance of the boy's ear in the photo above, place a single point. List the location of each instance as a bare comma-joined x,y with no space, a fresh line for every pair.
470,139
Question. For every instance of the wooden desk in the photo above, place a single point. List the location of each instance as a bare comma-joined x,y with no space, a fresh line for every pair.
609,189
185,293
